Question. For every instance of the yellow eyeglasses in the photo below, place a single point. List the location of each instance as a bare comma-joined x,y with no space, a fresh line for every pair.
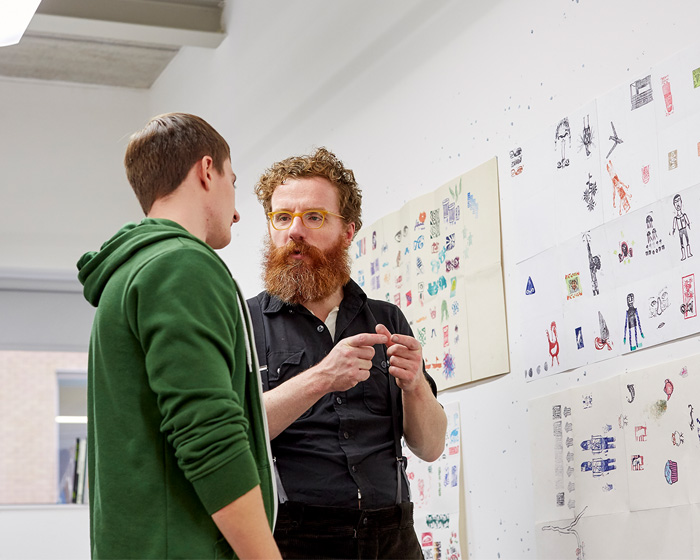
312,219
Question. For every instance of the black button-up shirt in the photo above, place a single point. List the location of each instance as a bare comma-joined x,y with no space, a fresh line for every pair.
345,441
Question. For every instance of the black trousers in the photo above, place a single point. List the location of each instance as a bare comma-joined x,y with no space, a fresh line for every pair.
304,531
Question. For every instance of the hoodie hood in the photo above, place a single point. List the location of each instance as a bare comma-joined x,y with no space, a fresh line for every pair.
95,268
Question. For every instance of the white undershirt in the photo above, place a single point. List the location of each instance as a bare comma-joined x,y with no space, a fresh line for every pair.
330,321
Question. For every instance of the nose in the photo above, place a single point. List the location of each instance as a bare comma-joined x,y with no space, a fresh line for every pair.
297,230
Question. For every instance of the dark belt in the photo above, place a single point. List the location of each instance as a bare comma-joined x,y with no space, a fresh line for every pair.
336,521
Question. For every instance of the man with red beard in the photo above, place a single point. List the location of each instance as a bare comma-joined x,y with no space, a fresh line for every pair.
343,375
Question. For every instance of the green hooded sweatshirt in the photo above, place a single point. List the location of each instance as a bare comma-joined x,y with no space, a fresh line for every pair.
176,426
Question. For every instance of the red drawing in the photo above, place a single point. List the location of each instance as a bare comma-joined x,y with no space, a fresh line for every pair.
668,98
553,343
637,462
640,433
688,307
668,388
645,174
620,190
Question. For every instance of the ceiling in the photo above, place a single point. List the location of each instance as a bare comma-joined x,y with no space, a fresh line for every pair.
122,43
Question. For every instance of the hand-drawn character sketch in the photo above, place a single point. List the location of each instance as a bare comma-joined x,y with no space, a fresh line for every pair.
603,340
630,388
598,444
654,242
594,263
637,462
659,304
632,321
688,306
626,252
586,138
562,132
569,530
692,423
682,223
620,190
598,467
615,138
668,389
589,193
553,343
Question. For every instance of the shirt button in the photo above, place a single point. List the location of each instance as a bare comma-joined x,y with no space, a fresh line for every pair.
346,435
319,328
365,521
383,364
339,400
354,468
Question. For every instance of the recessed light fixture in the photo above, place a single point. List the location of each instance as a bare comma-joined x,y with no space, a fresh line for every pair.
15,16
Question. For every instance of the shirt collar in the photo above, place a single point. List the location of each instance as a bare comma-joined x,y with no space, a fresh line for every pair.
353,299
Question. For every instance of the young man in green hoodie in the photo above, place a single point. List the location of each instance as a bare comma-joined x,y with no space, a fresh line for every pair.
178,452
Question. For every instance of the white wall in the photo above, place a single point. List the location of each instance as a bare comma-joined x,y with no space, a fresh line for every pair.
409,93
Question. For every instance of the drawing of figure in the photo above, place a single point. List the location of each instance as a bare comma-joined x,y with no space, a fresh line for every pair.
598,444
553,343
615,138
682,223
598,466
632,322
586,138
604,339
593,264
562,133
620,190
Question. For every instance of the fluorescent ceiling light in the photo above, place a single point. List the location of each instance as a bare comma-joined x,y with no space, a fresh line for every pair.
71,419
15,16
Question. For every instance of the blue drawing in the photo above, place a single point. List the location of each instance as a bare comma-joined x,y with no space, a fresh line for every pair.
599,467
530,289
579,338
598,444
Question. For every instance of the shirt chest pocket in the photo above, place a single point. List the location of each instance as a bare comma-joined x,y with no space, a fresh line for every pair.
376,388
284,365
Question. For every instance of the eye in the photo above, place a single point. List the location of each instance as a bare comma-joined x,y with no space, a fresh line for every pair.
282,218
313,217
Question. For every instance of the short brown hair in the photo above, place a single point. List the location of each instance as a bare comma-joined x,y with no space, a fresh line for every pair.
159,156
322,163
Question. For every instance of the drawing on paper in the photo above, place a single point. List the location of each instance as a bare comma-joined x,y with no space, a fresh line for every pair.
672,160
573,286
530,288
516,158
615,138
677,438
632,321
598,444
579,338
598,467
586,138
594,264
630,388
562,132
654,242
603,341
659,304
668,389
682,224
688,306
625,251
553,343
671,472
570,530
641,92
620,190
589,193
668,98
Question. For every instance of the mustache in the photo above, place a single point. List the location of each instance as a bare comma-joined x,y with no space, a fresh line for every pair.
294,247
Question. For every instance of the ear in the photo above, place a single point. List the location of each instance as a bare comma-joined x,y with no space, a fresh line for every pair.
349,233
204,169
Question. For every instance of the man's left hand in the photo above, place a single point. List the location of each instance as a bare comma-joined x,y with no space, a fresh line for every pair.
405,359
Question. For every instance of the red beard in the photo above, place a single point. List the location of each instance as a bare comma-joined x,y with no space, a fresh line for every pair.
298,281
